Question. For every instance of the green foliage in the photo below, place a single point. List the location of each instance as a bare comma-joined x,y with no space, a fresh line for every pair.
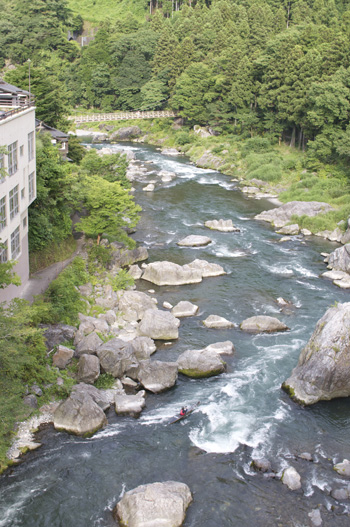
7,275
122,280
63,295
111,210
23,362
99,256
105,381
111,167
76,151
49,214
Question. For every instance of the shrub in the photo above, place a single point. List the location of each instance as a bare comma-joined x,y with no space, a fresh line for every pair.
182,138
256,145
122,280
63,293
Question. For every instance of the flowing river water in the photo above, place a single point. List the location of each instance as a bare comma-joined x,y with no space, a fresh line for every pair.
75,482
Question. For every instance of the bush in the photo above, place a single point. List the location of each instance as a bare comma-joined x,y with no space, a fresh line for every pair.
64,295
182,138
122,280
256,145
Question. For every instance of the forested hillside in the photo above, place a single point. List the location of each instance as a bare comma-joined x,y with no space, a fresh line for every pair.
249,67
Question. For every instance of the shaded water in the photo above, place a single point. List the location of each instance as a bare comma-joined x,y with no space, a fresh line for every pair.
243,414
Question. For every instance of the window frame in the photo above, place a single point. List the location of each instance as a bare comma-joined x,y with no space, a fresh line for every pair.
14,202
12,157
15,243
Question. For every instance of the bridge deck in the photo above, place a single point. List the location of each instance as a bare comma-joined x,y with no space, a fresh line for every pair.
121,116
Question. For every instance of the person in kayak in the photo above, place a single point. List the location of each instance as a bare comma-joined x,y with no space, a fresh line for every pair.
183,411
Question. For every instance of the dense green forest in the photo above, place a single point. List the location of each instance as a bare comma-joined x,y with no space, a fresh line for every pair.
246,67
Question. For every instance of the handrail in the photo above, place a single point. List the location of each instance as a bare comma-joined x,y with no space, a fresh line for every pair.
122,116
19,109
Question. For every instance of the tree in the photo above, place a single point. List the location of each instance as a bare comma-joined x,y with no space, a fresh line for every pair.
111,210
194,89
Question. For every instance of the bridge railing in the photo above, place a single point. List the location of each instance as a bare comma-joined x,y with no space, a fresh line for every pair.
121,116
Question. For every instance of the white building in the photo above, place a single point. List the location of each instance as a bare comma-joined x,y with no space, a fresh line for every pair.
17,180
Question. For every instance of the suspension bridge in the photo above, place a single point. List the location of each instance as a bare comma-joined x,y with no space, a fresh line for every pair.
121,116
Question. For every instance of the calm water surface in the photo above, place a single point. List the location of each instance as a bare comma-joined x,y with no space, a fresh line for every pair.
74,482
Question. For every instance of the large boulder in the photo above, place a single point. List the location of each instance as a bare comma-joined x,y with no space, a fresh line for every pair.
323,370
79,415
116,357
125,133
159,325
57,334
133,304
62,357
88,369
184,309
103,398
154,505
216,322
157,376
130,404
194,241
262,324
206,268
122,257
169,273
200,363
143,347
339,259
221,225
88,345
282,215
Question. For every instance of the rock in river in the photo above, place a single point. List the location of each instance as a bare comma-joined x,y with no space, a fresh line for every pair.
221,225
169,273
159,325
262,324
154,505
130,404
200,363
194,241
79,415
282,215
216,322
184,309
157,376
323,370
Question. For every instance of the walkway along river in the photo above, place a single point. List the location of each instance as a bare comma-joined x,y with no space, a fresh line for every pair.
75,482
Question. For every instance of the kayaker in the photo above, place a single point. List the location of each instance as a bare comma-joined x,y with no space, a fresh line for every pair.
183,411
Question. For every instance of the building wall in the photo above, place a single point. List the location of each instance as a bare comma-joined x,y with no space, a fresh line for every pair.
22,183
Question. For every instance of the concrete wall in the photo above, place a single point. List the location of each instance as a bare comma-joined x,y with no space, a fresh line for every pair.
12,129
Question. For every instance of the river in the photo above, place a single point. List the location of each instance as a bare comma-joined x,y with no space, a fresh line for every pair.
75,482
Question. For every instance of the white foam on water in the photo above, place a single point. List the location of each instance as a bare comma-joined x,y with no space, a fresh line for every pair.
227,186
109,431
225,252
196,224
283,270
10,513
313,287
304,272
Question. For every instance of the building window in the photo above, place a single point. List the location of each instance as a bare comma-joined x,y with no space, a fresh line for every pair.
24,222
31,187
14,207
15,244
3,252
2,213
21,150
30,146
22,193
12,157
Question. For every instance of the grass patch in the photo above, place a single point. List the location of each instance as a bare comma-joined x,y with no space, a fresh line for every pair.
98,10
56,252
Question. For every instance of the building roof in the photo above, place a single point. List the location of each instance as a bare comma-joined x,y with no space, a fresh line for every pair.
56,134
5,87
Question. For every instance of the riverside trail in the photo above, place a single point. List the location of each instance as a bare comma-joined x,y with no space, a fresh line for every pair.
243,414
